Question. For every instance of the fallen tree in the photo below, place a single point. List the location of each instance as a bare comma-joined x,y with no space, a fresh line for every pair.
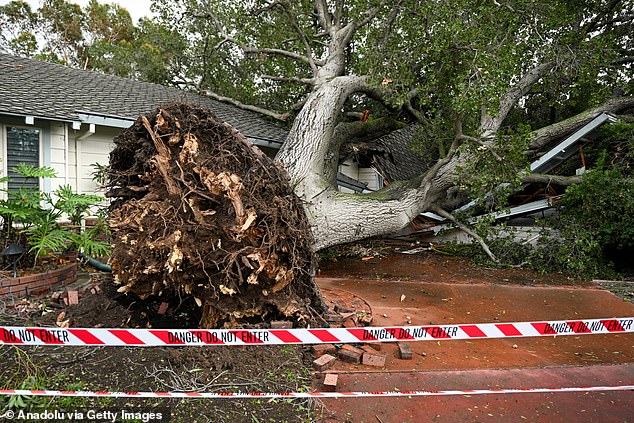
198,211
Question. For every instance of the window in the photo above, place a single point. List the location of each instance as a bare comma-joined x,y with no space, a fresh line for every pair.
23,146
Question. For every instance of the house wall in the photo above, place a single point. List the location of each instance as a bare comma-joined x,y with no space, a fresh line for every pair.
86,152
62,148
367,175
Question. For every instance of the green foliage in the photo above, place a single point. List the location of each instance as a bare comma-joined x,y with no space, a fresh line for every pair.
595,220
99,37
39,215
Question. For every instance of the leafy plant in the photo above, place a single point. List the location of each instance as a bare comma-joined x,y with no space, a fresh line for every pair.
37,214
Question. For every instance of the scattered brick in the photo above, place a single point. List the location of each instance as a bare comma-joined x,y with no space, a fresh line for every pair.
163,308
333,317
330,382
369,349
73,297
376,347
281,324
343,309
375,359
321,349
350,354
404,352
349,324
324,362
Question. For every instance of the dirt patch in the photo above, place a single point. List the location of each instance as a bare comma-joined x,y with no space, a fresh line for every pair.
229,369
403,261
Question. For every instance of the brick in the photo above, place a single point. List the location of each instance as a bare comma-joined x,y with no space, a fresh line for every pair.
73,297
343,309
349,324
375,359
333,317
281,324
369,349
321,349
350,354
375,347
330,382
163,308
324,362
404,352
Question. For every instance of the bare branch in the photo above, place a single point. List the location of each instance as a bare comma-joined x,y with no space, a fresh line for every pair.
371,14
467,230
276,115
323,15
623,60
307,81
276,51
390,21
537,178
302,36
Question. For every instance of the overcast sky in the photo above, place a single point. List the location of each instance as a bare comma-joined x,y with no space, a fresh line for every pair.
137,8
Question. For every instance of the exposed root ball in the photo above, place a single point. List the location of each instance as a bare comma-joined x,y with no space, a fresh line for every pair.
200,212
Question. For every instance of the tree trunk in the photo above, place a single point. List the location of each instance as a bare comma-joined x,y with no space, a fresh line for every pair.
311,156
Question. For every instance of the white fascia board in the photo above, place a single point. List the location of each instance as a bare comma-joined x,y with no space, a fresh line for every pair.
109,121
544,162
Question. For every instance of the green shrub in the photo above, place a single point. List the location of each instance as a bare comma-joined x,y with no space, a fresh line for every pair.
37,214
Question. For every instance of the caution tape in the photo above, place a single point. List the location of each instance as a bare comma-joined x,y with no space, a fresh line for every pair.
290,395
11,335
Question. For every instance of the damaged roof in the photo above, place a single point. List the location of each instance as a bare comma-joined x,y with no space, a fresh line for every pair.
50,91
395,156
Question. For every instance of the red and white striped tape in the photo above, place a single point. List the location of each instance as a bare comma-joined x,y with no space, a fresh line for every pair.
358,394
11,335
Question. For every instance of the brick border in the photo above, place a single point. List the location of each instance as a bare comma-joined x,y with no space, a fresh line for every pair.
39,283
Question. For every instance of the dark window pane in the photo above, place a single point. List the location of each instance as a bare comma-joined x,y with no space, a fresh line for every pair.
23,146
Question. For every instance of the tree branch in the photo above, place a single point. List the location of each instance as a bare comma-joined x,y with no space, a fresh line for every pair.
543,136
490,124
323,15
484,146
537,178
302,36
467,230
271,113
370,14
307,81
276,51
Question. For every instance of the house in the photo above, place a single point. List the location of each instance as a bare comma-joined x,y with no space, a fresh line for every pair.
52,115
66,118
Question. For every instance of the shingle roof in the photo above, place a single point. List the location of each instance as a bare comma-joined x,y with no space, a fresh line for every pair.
48,90
394,155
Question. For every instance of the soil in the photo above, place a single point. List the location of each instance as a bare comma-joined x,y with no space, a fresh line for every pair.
231,369
256,369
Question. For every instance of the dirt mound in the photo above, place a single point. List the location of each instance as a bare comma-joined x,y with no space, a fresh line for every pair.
201,212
